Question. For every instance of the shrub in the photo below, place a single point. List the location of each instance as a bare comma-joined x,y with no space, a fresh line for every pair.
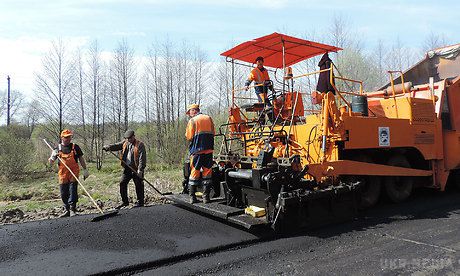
15,152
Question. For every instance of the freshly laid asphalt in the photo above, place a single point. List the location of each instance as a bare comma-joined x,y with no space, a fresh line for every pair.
418,236
76,246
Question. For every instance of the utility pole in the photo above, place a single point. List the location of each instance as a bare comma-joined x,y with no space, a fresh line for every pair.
8,105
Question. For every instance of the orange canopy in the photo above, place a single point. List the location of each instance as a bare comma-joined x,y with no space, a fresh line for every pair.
270,47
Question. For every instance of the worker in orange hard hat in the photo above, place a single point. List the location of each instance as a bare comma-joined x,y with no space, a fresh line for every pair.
200,132
70,154
262,81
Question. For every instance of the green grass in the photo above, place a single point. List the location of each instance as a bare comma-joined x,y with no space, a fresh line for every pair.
40,191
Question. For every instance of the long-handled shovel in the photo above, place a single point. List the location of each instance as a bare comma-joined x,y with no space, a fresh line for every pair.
96,218
151,185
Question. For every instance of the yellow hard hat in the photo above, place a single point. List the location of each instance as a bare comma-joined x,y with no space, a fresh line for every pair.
66,133
192,106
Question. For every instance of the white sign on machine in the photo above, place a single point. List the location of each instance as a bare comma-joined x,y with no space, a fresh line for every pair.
384,136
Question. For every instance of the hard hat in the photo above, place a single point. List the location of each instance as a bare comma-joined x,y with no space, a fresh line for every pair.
129,133
66,133
192,106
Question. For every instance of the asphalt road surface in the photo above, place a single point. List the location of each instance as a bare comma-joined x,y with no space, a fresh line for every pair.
136,237
421,235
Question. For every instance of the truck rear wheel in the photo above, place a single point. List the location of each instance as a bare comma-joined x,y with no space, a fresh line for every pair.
371,188
398,188
370,192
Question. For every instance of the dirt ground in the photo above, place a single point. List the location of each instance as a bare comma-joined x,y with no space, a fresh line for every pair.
17,215
39,199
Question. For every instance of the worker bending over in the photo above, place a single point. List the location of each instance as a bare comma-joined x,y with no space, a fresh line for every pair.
200,132
262,81
132,155
70,154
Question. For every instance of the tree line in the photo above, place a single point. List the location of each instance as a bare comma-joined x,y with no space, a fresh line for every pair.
101,93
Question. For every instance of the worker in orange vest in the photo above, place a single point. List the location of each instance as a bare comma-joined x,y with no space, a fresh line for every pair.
260,77
70,154
133,155
200,132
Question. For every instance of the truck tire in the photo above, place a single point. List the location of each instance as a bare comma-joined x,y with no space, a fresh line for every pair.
398,188
457,180
371,188
370,191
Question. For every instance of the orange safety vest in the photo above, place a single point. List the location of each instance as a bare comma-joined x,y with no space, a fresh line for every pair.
200,132
69,159
136,154
258,76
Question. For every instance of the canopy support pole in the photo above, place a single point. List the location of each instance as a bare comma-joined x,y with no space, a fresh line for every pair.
284,66
233,82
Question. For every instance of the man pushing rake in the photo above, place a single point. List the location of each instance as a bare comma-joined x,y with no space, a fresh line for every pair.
133,160
69,153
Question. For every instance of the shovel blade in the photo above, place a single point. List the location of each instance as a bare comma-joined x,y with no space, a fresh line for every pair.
105,215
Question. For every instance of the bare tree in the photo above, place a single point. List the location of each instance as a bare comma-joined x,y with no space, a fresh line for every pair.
221,80
54,85
124,69
434,40
116,102
185,56
3,102
199,75
31,117
17,104
352,62
154,71
95,78
82,96
340,32
401,57
146,100
167,52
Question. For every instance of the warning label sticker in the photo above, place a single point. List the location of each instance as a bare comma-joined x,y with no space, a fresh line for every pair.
384,136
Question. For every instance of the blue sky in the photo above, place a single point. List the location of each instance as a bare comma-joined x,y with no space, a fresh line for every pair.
27,27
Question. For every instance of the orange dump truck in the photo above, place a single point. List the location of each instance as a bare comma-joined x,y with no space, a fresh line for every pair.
283,165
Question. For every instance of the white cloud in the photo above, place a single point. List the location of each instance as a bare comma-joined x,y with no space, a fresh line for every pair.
126,34
271,4
261,4
21,58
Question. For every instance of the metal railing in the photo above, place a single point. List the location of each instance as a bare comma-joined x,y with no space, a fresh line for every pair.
258,134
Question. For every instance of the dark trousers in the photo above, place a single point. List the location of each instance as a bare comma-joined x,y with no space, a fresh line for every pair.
69,194
138,183
266,101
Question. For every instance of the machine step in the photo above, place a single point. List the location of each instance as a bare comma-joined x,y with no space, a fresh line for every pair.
214,208
218,209
248,221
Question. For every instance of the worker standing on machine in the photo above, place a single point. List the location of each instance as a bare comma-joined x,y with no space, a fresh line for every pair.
70,154
260,77
132,155
200,132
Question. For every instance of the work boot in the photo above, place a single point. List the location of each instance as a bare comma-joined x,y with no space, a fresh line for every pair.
73,211
192,192
206,191
138,204
121,206
65,214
